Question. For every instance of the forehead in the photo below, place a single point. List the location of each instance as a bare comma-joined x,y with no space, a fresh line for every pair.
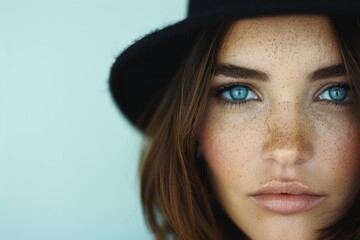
281,38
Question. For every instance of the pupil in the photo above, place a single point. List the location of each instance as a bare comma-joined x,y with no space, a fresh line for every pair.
239,93
338,93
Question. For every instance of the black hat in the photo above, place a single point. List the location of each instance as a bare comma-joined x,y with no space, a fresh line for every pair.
140,73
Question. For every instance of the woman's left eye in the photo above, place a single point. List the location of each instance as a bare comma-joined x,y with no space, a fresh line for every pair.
337,94
236,93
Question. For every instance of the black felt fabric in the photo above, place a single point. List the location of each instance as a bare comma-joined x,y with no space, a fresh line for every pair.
141,72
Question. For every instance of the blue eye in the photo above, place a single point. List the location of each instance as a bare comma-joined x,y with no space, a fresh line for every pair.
339,93
237,93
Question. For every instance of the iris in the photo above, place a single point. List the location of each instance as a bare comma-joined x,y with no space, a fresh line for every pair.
338,93
239,93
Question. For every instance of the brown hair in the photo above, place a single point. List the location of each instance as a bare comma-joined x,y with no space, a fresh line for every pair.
176,195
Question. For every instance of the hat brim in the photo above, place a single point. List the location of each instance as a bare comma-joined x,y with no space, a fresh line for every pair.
141,73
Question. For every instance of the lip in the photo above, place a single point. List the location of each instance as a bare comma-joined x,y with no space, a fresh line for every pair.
286,197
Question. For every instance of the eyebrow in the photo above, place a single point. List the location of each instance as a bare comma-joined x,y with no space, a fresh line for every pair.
328,72
234,71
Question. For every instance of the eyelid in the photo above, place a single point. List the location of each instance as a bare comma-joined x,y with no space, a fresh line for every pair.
227,86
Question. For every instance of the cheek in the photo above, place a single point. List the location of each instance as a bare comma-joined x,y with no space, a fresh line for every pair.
338,156
229,145
226,134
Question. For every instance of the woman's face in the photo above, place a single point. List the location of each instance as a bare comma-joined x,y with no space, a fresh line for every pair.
278,136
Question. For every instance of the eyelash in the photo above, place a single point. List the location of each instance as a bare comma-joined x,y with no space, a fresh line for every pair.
218,91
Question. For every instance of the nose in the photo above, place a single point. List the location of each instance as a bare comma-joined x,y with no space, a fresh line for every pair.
289,135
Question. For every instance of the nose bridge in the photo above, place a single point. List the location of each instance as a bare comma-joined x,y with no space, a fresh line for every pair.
289,134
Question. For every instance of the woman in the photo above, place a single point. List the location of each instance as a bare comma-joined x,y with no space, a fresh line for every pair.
250,120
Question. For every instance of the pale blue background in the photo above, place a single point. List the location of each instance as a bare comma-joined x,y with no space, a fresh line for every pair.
68,160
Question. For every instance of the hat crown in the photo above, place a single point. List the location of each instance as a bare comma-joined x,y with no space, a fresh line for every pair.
197,7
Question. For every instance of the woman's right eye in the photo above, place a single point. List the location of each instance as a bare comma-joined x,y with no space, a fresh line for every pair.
236,93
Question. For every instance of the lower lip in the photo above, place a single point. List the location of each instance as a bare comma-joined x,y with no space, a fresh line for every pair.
286,203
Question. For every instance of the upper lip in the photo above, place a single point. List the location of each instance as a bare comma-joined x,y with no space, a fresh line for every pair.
282,187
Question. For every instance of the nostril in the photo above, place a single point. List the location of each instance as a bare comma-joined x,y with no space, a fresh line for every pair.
300,161
287,155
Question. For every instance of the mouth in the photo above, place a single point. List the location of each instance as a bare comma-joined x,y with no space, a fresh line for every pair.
286,197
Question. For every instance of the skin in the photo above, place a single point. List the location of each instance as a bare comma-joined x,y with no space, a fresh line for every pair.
287,133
